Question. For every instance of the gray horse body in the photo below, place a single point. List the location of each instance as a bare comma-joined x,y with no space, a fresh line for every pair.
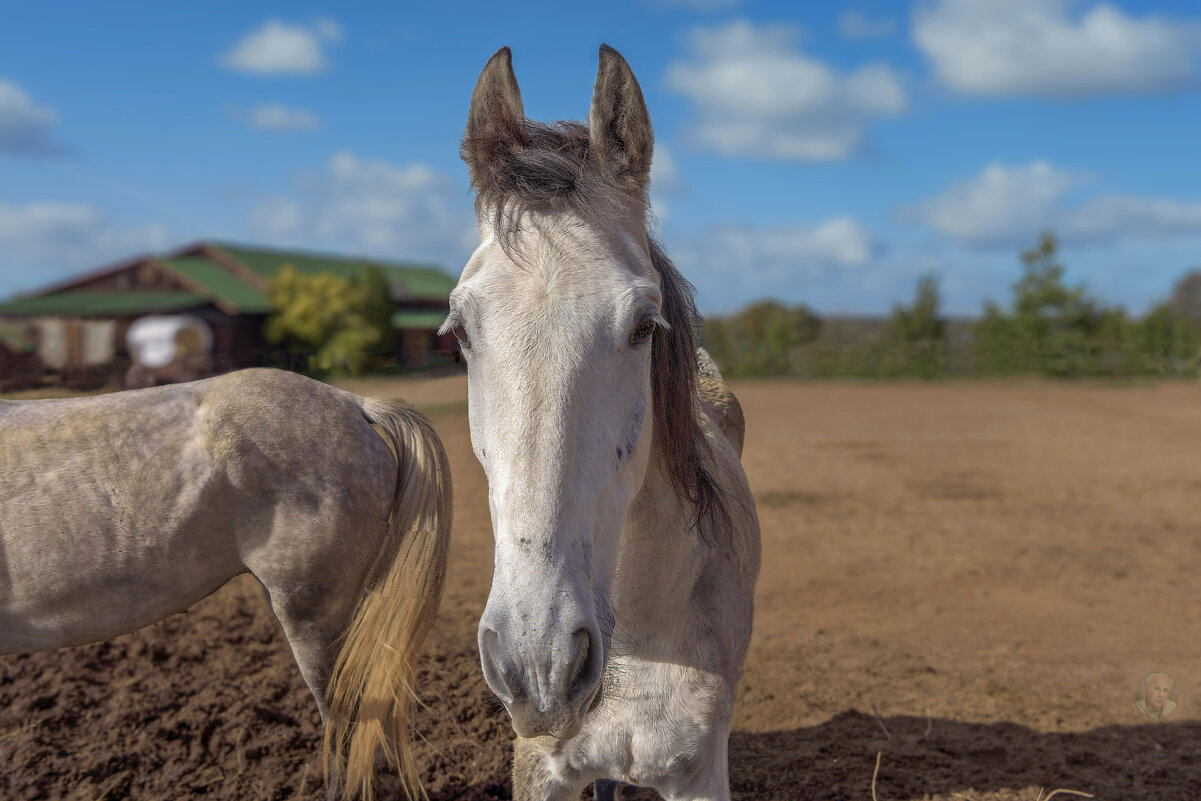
119,510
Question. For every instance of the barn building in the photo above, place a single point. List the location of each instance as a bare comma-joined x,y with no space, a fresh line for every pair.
80,324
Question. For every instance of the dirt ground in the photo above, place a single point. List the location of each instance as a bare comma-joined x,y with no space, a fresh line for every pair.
967,579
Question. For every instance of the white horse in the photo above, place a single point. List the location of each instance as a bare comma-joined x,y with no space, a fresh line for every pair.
119,510
627,545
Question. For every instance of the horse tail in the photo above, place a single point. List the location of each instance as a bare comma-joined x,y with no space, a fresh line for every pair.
370,693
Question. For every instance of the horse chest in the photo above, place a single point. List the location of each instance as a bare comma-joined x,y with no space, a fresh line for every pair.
655,723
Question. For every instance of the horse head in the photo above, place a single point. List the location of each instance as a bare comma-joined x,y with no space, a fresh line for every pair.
577,334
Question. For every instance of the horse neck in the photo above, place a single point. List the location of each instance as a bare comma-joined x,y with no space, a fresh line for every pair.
659,551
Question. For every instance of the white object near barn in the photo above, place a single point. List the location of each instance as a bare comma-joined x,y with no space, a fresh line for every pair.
168,349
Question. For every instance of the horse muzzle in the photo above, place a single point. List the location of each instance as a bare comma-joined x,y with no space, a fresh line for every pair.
549,681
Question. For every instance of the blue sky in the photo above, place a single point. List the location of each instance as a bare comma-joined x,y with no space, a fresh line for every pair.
820,153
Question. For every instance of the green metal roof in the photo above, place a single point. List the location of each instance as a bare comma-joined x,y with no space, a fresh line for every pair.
418,319
102,304
219,282
233,289
420,281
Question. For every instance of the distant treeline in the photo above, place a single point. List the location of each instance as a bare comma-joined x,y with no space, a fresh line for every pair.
1048,328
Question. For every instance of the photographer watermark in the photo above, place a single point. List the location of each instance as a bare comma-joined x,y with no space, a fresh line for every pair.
1155,695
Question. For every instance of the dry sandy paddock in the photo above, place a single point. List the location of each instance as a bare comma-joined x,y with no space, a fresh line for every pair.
967,578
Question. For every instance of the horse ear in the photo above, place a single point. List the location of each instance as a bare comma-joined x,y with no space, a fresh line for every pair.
619,124
495,120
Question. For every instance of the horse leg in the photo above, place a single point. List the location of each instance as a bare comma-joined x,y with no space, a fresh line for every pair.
312,637
533,780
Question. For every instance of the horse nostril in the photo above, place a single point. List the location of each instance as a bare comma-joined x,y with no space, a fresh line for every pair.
497,673
512,679
489,641
585,670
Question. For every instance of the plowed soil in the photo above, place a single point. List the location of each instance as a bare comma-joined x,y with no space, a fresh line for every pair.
967,580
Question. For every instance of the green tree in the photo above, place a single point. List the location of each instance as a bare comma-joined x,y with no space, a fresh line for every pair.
1167,343
1168,338
1186,299
1054,321
995,337
717,339
916,335
760,339
1053,328
921,321
337,320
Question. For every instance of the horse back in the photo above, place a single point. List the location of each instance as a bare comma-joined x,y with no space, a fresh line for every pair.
119,509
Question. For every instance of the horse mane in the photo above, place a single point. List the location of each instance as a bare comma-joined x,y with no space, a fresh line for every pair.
544,167
534,166
680,441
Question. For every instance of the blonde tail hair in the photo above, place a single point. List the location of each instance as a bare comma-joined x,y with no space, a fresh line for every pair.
370,692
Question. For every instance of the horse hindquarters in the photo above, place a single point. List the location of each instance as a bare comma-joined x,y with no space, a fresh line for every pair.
353,556
371,692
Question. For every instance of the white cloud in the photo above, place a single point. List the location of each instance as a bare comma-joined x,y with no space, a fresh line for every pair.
1000,206
329,30
59,238
1007,47
857,25
732,265
278,117
1114,216
24,125
837,242
404,212
1009,206
279,48
757,94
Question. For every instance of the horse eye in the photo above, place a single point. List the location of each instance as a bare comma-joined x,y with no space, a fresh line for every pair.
461,335
643,332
